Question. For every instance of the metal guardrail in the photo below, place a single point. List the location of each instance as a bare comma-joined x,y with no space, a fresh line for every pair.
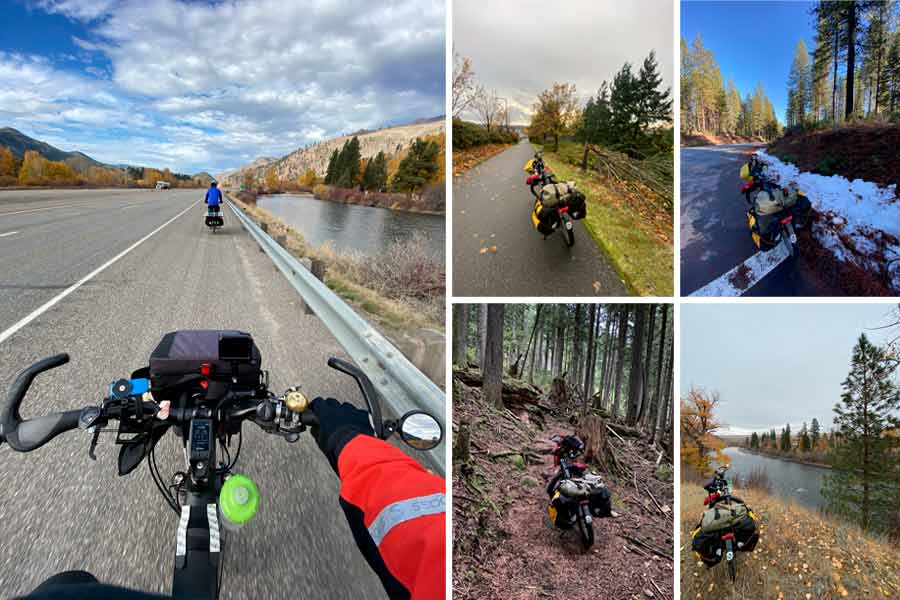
401,385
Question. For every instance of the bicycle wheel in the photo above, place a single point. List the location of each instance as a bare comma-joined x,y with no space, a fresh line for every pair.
587,533
731,559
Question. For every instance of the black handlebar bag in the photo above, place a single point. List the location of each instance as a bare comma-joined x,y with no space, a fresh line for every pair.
183,354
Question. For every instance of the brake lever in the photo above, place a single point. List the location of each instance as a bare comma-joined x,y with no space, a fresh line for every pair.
94,439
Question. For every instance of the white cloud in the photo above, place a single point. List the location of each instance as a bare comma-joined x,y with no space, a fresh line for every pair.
260,77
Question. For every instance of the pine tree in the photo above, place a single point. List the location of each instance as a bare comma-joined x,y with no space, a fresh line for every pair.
804,439
864,477
375,175
331,171
417,168
798,87
815,431
786,438
754,441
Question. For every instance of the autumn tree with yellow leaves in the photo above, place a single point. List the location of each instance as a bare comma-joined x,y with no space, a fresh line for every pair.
699,447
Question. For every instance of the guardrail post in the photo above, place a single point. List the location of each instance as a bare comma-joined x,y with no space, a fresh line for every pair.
282,241
264,226
318,269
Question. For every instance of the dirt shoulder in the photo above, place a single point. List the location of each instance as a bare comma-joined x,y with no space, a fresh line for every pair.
504,545
863,151
800,555
705,139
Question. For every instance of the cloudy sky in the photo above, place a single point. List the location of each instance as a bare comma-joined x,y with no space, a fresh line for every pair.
212,85
519,49
775,363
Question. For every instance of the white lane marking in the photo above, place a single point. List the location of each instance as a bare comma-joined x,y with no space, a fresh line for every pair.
53,301
8,233
753,270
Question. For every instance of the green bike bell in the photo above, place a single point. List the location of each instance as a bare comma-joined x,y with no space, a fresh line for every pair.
238,501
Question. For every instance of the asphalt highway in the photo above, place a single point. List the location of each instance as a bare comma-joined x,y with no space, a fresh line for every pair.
59,510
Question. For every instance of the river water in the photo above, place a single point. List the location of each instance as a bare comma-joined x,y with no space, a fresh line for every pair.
347,226
799,482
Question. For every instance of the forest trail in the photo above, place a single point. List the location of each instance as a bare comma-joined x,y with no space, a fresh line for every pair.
505,546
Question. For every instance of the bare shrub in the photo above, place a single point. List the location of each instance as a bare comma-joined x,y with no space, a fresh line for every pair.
757,479
406,268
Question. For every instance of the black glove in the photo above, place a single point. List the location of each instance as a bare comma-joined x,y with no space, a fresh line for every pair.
339,422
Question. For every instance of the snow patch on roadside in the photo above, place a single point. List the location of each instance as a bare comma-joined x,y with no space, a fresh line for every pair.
860,221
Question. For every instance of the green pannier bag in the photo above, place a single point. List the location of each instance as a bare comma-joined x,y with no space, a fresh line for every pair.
722,516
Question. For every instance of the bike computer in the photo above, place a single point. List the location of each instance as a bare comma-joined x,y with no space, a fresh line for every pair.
201,439
235,347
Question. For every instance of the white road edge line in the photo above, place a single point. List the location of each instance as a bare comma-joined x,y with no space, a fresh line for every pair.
53,301
756,267
8,233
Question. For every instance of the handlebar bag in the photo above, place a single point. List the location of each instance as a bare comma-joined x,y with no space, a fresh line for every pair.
182,353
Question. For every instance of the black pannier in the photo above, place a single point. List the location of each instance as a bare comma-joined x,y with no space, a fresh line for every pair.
708,547
182,353
562,510
543,218
601,502
577,205
746,535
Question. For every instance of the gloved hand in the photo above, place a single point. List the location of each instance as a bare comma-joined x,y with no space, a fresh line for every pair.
339,422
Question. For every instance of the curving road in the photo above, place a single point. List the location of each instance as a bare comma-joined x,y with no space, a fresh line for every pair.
58,509
492,207
714,233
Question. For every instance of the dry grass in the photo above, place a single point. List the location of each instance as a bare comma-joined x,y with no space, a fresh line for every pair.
403,287
800,555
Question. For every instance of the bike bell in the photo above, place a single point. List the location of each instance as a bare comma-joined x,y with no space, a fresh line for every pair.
238,501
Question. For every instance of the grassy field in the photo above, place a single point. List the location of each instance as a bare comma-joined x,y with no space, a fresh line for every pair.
800,555
641,246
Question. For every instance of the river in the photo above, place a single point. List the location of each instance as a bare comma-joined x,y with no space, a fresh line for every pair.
799,482
347,226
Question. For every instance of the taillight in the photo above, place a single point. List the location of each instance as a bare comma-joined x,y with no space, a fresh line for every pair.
205,370
728,536
204,384
787,219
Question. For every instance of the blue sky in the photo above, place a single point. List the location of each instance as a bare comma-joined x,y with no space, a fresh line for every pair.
751,41
775,363
212,85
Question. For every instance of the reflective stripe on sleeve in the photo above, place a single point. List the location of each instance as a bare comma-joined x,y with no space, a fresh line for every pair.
402,511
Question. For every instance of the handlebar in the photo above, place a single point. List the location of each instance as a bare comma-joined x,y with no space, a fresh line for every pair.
25,435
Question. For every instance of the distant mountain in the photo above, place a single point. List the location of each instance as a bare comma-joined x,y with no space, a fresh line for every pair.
392,141
20,143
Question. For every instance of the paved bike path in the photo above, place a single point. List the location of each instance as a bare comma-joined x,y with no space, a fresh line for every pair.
492,207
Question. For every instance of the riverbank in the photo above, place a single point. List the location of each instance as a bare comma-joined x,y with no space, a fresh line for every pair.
786,458
389,201
401,292
800,555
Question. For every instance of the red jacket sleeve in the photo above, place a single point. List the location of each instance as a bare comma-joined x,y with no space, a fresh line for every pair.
396,510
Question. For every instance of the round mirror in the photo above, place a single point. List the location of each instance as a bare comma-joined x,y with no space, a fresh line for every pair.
420,430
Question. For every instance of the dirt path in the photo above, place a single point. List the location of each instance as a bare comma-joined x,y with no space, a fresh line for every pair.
505,547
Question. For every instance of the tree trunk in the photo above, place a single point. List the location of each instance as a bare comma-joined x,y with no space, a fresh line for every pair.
620,360
493,356
574,367
461,448
665,405
635,379
603,358
645,374
460,329
851,57
482,333
560,344
588,387
660,367
608,375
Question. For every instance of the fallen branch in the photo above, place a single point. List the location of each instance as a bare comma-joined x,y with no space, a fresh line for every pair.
649,547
